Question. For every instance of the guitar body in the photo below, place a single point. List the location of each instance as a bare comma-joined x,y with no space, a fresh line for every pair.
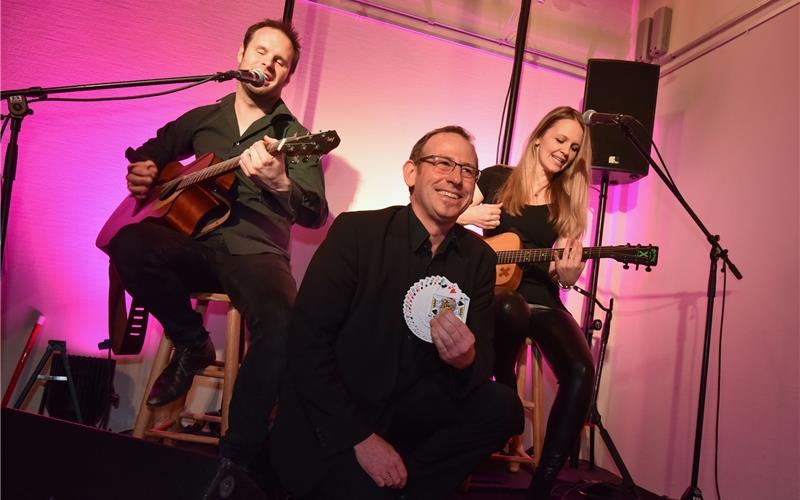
188,210
507,275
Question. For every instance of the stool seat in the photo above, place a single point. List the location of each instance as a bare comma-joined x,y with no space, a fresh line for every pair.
159,422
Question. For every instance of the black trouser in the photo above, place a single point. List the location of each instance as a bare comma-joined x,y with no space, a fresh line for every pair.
563,345
440,438
159,267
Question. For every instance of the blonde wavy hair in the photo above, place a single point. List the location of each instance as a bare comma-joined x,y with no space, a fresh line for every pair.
569,188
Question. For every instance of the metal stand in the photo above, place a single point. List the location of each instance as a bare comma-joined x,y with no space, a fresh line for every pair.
59,346
18,109
717,252
595,420
588,313
516,74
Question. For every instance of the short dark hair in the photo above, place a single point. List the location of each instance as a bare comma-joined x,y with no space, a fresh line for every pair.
416,151
285,28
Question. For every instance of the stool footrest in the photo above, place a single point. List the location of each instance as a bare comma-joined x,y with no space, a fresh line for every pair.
211,372
513,458
182,436
202,417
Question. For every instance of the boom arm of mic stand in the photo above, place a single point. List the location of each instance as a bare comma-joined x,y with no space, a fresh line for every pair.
712,239
18,109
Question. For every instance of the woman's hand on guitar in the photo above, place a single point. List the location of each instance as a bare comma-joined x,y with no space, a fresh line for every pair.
140,178
266,169
485,215
569,266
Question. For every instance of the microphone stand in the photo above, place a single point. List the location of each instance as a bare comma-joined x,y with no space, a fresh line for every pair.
601,489
717,252
18,109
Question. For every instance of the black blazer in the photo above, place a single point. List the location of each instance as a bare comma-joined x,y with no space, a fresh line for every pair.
346,331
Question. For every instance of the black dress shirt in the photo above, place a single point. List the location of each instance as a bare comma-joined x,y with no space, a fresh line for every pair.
350,350
260,220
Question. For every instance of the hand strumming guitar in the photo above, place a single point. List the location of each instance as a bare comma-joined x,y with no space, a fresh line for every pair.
140,178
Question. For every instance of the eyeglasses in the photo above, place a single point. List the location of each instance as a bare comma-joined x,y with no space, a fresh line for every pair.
446,165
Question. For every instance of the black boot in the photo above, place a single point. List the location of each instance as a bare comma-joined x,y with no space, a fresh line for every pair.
177,377
543,478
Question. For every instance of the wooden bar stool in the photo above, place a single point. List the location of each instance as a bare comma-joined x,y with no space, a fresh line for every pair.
160,422
534,407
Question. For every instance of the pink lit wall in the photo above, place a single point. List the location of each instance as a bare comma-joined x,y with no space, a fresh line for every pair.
732,150
379,86
727,125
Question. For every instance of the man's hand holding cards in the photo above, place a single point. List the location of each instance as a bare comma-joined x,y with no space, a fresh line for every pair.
428,298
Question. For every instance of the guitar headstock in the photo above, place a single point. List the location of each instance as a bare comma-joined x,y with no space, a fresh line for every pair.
310,144
638,255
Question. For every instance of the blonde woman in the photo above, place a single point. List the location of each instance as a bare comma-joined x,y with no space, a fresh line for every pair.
544,201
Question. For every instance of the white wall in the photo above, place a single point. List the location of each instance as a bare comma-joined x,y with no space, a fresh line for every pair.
381,87
727,125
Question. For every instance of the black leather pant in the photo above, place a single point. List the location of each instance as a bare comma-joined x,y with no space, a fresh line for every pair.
563,345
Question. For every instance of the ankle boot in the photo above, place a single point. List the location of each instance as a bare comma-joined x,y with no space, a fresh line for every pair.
543,479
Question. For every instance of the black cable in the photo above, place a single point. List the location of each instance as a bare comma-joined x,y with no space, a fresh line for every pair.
663,164
661,158
123,98
719,379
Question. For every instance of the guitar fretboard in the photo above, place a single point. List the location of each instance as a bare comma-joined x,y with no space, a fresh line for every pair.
207,173
547,254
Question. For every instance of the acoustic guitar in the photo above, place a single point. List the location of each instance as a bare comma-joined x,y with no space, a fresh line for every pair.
191,198
510,254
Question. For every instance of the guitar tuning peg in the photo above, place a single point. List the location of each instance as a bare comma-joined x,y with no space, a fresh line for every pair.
625,266
637,266
648,269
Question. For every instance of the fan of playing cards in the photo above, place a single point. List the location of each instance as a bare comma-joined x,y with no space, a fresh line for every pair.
428,297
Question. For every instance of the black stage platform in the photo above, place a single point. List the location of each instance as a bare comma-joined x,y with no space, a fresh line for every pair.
49,459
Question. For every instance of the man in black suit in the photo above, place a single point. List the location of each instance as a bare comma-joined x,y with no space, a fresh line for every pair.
368,409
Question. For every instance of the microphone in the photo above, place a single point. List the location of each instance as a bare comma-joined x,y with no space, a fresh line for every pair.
254,77
592,117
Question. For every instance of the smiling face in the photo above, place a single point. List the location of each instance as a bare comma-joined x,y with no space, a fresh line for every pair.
558,146
438,198
270,51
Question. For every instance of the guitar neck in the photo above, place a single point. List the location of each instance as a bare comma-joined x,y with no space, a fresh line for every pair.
306,145
215,170
529,255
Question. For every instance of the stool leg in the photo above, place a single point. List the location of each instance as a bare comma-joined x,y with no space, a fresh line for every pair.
232,339
537,391
159,363
522,373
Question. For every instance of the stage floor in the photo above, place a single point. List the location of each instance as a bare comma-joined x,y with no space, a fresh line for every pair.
493,480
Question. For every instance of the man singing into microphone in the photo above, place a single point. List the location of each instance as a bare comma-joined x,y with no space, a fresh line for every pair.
247,257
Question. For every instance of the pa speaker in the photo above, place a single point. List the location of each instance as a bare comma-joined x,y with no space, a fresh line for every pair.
49,459
628,88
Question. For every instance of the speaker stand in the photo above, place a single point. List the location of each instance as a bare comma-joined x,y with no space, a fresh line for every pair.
59,346
602,489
